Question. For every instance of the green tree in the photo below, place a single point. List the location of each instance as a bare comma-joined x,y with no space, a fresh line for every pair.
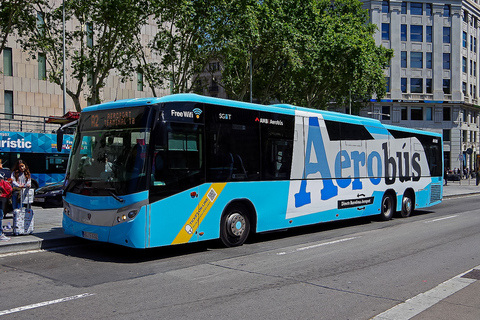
17,16
307,53
100,43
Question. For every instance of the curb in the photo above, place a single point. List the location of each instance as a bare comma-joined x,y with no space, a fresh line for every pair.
35,243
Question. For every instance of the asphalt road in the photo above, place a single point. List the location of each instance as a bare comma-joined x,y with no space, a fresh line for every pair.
345,270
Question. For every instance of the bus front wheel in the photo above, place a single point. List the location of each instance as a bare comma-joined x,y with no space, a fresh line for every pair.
234,226
387,207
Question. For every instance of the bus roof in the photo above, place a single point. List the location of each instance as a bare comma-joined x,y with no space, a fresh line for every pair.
279,108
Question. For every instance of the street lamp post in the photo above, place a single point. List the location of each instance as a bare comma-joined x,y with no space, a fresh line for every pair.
64,80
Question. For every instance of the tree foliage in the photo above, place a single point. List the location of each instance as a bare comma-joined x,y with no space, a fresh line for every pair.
16,16
100,43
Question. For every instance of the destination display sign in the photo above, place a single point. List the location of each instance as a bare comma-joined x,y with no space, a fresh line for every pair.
114,119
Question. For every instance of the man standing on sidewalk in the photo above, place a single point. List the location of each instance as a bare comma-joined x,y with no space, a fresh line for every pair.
5,194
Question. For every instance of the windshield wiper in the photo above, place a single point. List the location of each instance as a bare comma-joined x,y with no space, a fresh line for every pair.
115,196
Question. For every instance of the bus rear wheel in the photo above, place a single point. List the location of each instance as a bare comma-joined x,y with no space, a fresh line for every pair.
234,226
407,205
387,207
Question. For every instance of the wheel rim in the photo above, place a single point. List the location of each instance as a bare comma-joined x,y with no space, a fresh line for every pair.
387,206
407,205
235,225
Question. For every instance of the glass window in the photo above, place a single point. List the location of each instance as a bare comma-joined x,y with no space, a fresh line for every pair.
471,67
42,66
385,112
464,39
428,61
404,85
90,34
428,9
446,61
403,32
464,88
446,10
471,43
385,6
7,62
387,81
416,33
41,23
447,113
475,44
8,96
416,113
385,31
416,8
428,36
139,81
464,64
416,59
446,34
428,114
446,86
404,7
416,85
474,68
403,57
404,113
428,85
446,134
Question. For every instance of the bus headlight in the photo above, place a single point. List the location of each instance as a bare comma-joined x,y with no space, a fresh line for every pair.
66,210
132,214
123,216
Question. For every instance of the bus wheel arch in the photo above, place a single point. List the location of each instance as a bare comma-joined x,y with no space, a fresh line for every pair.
408,203
387,206
34,184
237,221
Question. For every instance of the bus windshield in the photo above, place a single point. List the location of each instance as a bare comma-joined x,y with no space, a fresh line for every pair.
108,161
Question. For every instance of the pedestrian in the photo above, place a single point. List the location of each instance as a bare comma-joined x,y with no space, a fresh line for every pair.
5,194
445,176
6,172
21,179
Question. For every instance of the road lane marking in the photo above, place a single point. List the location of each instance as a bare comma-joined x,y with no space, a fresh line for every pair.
421,302
315,246
440,219
45,303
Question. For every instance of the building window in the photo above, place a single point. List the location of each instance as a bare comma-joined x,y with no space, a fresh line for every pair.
429,34
7,62
385,31
416,59
446,86
428,9
464,39
139,81
416,113
446,61
403,85
416,33
446,10
8,96
403,57
465,15
428,85
90,34
464,64
42,66
404,7
446,134
474,45
385,7
428,114
385,112
464,88
403,32
471,43
474,68
471,67
428,61
404,113
446,34
387,81
41,23
447,114
416,85
416,8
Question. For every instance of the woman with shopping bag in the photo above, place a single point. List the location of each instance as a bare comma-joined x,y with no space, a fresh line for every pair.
21,179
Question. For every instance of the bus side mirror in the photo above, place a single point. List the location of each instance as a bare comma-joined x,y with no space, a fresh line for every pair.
59,139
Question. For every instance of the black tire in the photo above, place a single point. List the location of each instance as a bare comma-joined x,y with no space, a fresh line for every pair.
234,226
407,205
387,207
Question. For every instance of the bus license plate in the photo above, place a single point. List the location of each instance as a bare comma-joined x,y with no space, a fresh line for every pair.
90,235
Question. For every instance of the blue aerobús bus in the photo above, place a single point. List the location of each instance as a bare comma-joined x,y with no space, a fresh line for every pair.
39,151
184,168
